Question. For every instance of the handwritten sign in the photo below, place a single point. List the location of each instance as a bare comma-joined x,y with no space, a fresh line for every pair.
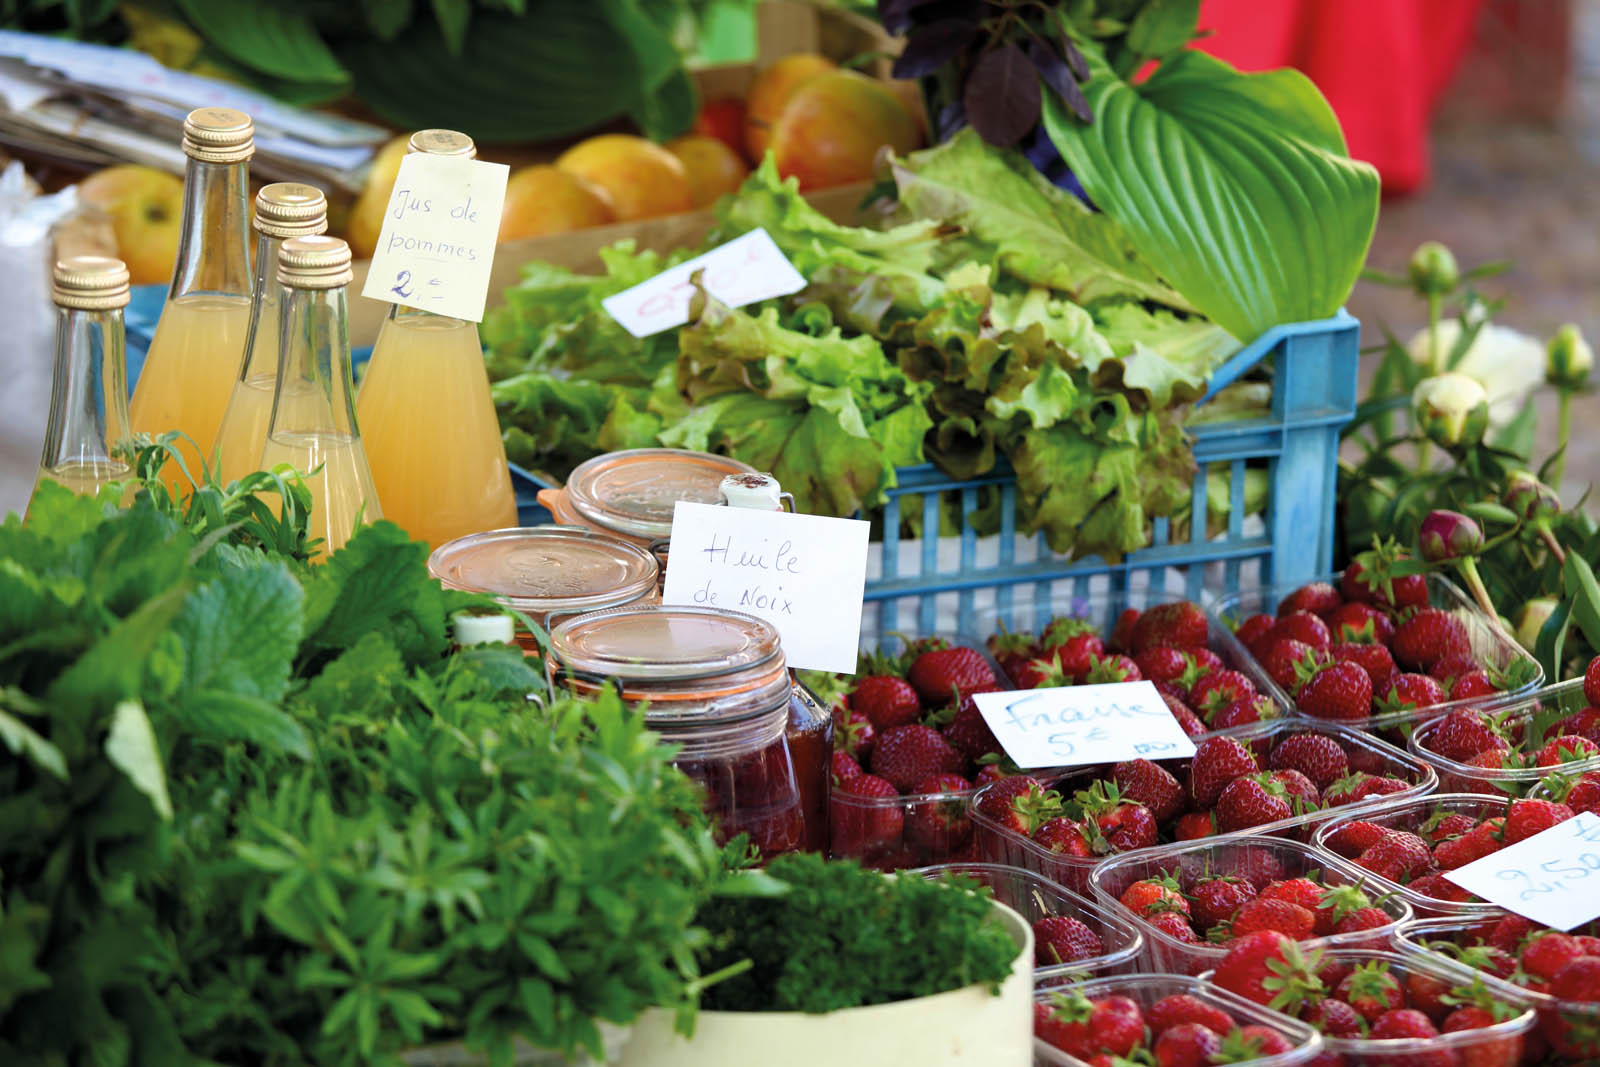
437,244
744,270
1552,877
802,573
1067,726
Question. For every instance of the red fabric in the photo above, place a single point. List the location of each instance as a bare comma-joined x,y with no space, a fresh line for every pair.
1382,64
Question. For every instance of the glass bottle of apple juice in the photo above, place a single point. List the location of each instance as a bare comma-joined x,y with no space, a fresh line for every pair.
313,426
283,210
195,354
89,393
431,431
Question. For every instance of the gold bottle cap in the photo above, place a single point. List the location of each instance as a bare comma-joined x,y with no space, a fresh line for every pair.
442,143
289,209
90,283
218,135
315,262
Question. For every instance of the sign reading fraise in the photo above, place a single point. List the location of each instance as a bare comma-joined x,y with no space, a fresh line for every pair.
803,573
1067,726
1552,877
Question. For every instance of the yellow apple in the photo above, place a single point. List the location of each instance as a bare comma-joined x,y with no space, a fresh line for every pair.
542,199
146,210
366,217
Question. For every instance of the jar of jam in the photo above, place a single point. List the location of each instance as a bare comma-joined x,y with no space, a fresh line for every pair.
631,494
716,684
548,573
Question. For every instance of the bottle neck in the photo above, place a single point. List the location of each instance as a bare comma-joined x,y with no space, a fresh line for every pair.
89,393
214,243
315,392
403,315
261,342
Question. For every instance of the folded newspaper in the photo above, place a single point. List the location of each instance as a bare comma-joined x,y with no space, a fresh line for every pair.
93,105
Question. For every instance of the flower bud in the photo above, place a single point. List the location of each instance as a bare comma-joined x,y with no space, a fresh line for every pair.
1529,497
1433,269
1451,409
1532,619
1448,535
1568,358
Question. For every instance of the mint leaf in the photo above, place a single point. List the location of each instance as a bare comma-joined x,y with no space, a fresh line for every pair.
377,582
240,633
131,747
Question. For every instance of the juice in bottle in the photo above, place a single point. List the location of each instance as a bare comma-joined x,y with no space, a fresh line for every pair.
89,391
283,210
428,419
313,426
199,341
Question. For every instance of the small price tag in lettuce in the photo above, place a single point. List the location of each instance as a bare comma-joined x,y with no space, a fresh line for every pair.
1552,877
746,269
1077,724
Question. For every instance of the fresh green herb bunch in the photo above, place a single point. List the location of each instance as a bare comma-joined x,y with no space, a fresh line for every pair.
840,936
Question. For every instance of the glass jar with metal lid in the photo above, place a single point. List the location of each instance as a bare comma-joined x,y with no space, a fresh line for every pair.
631,494
715,683
549,573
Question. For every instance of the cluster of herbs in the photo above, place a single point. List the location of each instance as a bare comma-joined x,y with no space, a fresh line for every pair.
1431,464
996,320
258,810
1107,100
834,935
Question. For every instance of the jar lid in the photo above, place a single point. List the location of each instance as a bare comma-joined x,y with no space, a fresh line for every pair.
218,135
665,643
633,492
442,143
315,262
467,629
545,569
758,492
89,283
290,209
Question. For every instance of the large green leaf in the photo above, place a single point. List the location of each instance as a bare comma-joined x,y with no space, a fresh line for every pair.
1236,187
275,39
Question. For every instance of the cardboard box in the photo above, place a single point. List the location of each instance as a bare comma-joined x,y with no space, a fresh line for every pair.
783,28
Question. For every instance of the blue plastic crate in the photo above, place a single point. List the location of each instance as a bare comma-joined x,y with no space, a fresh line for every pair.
941,584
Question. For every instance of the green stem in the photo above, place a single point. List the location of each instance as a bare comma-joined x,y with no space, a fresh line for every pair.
1551,543
1435,360
1563,435
1469,570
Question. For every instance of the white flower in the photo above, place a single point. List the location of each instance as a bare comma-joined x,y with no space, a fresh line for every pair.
1508,363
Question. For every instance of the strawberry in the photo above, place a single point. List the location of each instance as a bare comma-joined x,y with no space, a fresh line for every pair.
1062,1021
1524,818
1317,756
1011,649
1460,735
1584,794
1333,1017
1149,784
1403,1023
1427,637
1398,856
1194,825
1187,719
1443,825
1427,993
1408,692
1182,1008
907,754
1374,659
1254,628
941,825
1451,667
1301,891
1475,844
1319,598
1218,761
1077,654
1067,837
1104,670
1303,793
1371,990
1117,1024
1566,750
1546,953
1370,918
1360,786
1187,1045
938,673
1265,913
1253,1042
1164,663
1064,939
1259,708
1150,895
1205,660
1214,900
969,733
1252,800
1304,627
843,767
1018,803
1334,904
1370,579
1175,925
1351,839
1122,629
1219,689
886,701
862,817
856,735
1591,682
1040,673
1472,684
1438,887
1360,624
1578,980
1180,624
1261,965
1124,824
1341,691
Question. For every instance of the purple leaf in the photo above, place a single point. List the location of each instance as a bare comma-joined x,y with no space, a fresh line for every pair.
896,14
1053,69
1002,95
932,46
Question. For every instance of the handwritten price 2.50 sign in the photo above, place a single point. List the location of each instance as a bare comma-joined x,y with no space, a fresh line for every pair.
743,271
1552,877
1079,724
